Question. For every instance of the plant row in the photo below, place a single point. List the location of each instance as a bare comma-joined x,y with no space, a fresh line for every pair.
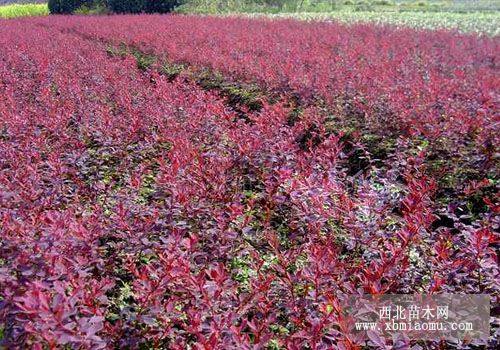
436,87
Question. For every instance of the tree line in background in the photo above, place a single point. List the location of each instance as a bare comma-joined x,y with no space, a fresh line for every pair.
163,6
269,6
117,6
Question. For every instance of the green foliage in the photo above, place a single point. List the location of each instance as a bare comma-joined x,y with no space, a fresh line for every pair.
22,10
142,6
126,6
252,6
224,6
64,6
117,6
383,2
421,3
475,22
160,6
279,6
94,8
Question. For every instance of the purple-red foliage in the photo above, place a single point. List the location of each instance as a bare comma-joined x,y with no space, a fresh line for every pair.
142,212
435,83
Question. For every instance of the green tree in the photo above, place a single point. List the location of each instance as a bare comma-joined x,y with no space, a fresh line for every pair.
142,6
64,6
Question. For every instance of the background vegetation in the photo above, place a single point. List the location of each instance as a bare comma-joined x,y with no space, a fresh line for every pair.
64,6
468,16
21,10
470,22
271,6
277,6
138,6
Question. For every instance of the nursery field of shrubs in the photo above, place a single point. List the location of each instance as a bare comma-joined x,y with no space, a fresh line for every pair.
188,182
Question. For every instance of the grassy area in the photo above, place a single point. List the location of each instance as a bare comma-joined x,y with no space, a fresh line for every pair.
285,6
476,22
21,10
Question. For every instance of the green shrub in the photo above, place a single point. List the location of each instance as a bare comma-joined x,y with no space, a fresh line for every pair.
64,6
96,8
139,6
72,6
126,6
363,5
421,4
160,6
383,3
21,10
